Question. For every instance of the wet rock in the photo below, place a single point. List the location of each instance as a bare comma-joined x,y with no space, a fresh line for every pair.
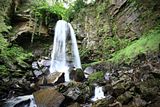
37,73
24,65
79,92
52,79
101,103
44,62
118,90
155,73
77,75
35,65
74,105
125,98
48,97
73,93
108,89
138,102
146,67
21,101
155,102
88,71
148,93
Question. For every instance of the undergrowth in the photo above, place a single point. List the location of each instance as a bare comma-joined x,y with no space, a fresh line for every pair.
149,42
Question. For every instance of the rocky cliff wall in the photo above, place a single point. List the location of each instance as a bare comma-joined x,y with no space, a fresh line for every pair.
122,18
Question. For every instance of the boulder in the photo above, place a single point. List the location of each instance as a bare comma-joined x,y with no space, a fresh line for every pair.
77,75
101,103
48,97
88,71
138,102
76,91
125,98
52,79
74,105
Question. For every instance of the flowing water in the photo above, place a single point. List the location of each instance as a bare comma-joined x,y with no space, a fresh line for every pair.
98,94
21,101
59,63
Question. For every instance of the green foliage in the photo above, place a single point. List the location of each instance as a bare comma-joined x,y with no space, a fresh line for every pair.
41,9
96,77
113,44
75,8
10,55
3,70
149,42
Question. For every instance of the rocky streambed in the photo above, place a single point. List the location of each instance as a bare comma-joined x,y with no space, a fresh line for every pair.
124,85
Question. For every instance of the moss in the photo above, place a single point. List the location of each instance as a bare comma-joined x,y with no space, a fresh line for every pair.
96,77
10,56
125,98
147,43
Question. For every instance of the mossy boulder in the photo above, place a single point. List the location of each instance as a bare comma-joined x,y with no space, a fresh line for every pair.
77,75
79,92
125,98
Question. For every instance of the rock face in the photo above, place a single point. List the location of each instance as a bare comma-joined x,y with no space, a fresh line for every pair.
48,97
123,18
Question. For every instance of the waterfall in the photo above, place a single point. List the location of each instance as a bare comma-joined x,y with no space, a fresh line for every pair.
98,94
59,61
75,52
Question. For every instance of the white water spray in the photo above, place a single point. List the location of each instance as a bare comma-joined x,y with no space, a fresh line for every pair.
59,62
17,101
98,94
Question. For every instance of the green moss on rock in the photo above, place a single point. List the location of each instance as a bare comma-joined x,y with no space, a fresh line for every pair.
96,77
147,43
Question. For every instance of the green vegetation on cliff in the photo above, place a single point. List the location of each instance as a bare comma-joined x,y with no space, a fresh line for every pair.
10,57
10,54
42,9
148,43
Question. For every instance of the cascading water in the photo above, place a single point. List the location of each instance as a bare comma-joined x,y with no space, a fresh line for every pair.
75,52
59,61
21,101
99,94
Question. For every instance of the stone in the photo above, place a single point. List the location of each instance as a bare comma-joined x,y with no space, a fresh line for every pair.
52,79
76,91
125,98
77,75
44,62
74,105
138,102
146,67
34,65
48,97
108,89
118,90
37,73
155,102
73,93
88,71
101,103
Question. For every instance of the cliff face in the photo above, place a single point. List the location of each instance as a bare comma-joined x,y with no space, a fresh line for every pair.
124,20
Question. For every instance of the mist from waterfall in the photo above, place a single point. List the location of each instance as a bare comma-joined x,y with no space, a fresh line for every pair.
59,56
